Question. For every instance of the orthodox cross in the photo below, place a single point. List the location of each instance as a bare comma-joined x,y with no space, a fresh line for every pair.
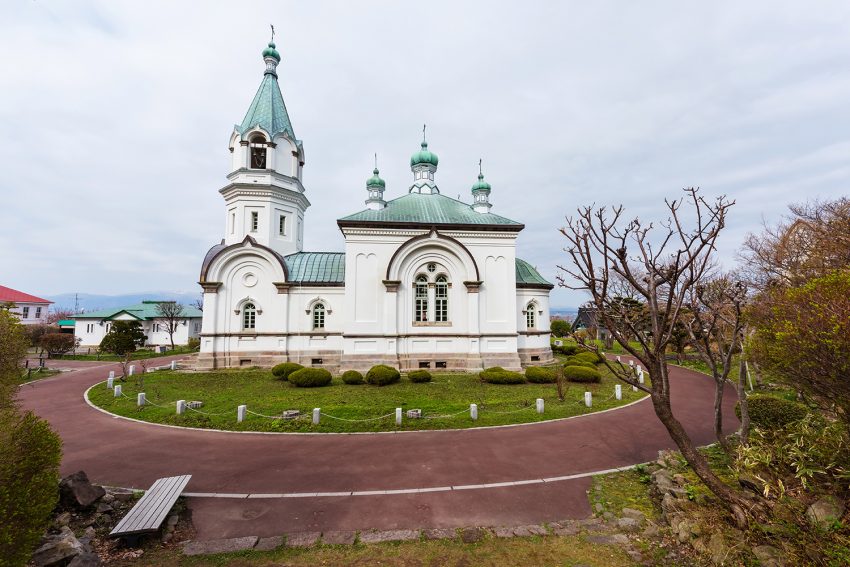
480,172
272,27
423,132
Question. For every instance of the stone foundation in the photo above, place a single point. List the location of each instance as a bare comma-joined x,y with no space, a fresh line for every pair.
536,356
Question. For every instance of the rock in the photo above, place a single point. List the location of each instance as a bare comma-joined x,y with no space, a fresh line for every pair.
219,545
628,524
85,560
669,505
472,535
58,549
109,498
339,537
270,543
90,532
769,556
388,535
607,516
172,520
651,531
564,528
825,511
63,519
166,537
503,532
123,496
440,533
104,508
302,539
719,550
616,539
633,514
76,491
749,482
598,507
680,479
530,530
663,481
700,545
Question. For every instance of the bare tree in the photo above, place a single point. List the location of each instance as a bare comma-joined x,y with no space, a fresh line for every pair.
199,303
171,313
662,269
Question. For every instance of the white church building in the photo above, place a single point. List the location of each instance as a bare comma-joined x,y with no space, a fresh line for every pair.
426,281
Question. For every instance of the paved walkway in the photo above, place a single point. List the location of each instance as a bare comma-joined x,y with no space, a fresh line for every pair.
124,453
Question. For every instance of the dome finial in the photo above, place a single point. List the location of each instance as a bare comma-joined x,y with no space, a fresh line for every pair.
480,171
271,56
272,38
376,163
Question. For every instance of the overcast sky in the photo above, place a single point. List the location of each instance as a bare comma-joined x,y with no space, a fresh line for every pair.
116,117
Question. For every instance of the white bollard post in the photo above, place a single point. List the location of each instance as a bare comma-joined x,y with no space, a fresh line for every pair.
131,370
398,416
140,399
588,399
631,363
634,388
181,407
618,358
240,413
640,374
618,391
109,382
317,412
112,374
539,405
473,411
174,365
116,391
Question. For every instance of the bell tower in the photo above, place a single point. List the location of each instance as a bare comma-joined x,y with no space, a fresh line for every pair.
265,198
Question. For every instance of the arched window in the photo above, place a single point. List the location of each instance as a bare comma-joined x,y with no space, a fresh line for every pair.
258,152
249,316
441,299
420,302
319,316
530,316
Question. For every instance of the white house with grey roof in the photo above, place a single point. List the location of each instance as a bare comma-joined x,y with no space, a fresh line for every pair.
425,281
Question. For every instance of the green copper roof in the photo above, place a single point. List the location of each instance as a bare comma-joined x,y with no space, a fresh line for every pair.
66,322
481,185
375,180
143,311
316,267
430,209
267,110
270,51
526,274
424,156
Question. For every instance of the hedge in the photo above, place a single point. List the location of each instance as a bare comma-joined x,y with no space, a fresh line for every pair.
419,376
568,349
498,375
352,377
587,356
538,375
282,371
381,375
310,378
582,374
770,412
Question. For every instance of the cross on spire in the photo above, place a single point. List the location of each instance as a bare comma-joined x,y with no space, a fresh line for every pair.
272,27
423,132
376,160
480,171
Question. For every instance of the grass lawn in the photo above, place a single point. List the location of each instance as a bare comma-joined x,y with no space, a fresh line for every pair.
138,355
36,374
224,390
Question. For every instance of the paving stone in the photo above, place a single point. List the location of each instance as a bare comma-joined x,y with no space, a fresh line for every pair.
339,537
269,543
302,539
388,535
616,539
472,535
440,533
212,546
530,530
503,532
564,529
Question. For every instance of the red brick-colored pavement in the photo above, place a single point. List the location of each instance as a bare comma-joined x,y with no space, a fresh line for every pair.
119,452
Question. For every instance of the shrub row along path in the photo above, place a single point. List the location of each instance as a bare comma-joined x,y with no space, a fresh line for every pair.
120,452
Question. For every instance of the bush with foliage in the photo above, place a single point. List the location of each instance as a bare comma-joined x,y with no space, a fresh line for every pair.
560,328
57,344
567,349
283,370
123,339
572,361
498,375
771,412
539,375
194,343
582,374
587,356
381,375
419,376
310,378
352,377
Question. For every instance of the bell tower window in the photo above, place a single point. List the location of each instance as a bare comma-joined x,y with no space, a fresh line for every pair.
258,149
255,221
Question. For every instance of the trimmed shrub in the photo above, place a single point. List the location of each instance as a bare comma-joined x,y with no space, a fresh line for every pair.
352,377
573,361
568,349
582,374
419,376
381,375
539,375
770,412
310,378
282,371
498,375
587,356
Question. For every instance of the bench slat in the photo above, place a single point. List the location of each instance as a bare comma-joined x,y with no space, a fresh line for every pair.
149,512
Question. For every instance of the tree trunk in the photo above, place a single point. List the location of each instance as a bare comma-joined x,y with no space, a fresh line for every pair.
742,401
718,416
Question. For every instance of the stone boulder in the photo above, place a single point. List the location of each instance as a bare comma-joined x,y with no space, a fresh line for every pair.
85,560
76,491
769,556
58,549
825,511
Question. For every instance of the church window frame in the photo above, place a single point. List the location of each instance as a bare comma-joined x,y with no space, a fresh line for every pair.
249,316
420,299
531,316
255,221
258,152
319,312
281,225
441,299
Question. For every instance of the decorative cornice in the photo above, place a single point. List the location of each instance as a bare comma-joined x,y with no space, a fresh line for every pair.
473,286
282,287
392,285
431,226
210,287
546,287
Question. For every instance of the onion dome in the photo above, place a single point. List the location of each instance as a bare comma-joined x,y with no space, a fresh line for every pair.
270,51
481,186
424,156
375,180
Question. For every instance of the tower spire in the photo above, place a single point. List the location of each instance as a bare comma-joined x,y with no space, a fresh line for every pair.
375,189
481,192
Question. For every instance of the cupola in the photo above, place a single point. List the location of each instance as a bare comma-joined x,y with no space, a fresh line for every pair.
481,193
423,164
375,188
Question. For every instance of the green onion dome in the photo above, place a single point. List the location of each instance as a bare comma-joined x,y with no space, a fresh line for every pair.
375,181
481,185
270,51
424,156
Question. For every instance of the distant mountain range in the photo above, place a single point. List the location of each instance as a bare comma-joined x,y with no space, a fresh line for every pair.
94,302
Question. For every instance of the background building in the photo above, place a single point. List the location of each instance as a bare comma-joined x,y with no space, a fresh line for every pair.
90,328
30,309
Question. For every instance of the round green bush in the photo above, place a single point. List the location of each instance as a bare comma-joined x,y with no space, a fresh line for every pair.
419,376
573,361
582,374
587,356
352,377
283,370
770,412
538,375
497,375
568,349
381,375
310,378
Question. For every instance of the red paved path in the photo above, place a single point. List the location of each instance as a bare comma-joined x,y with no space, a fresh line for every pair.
123,453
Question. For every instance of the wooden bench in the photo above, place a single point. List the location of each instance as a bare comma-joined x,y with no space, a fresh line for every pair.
152,508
